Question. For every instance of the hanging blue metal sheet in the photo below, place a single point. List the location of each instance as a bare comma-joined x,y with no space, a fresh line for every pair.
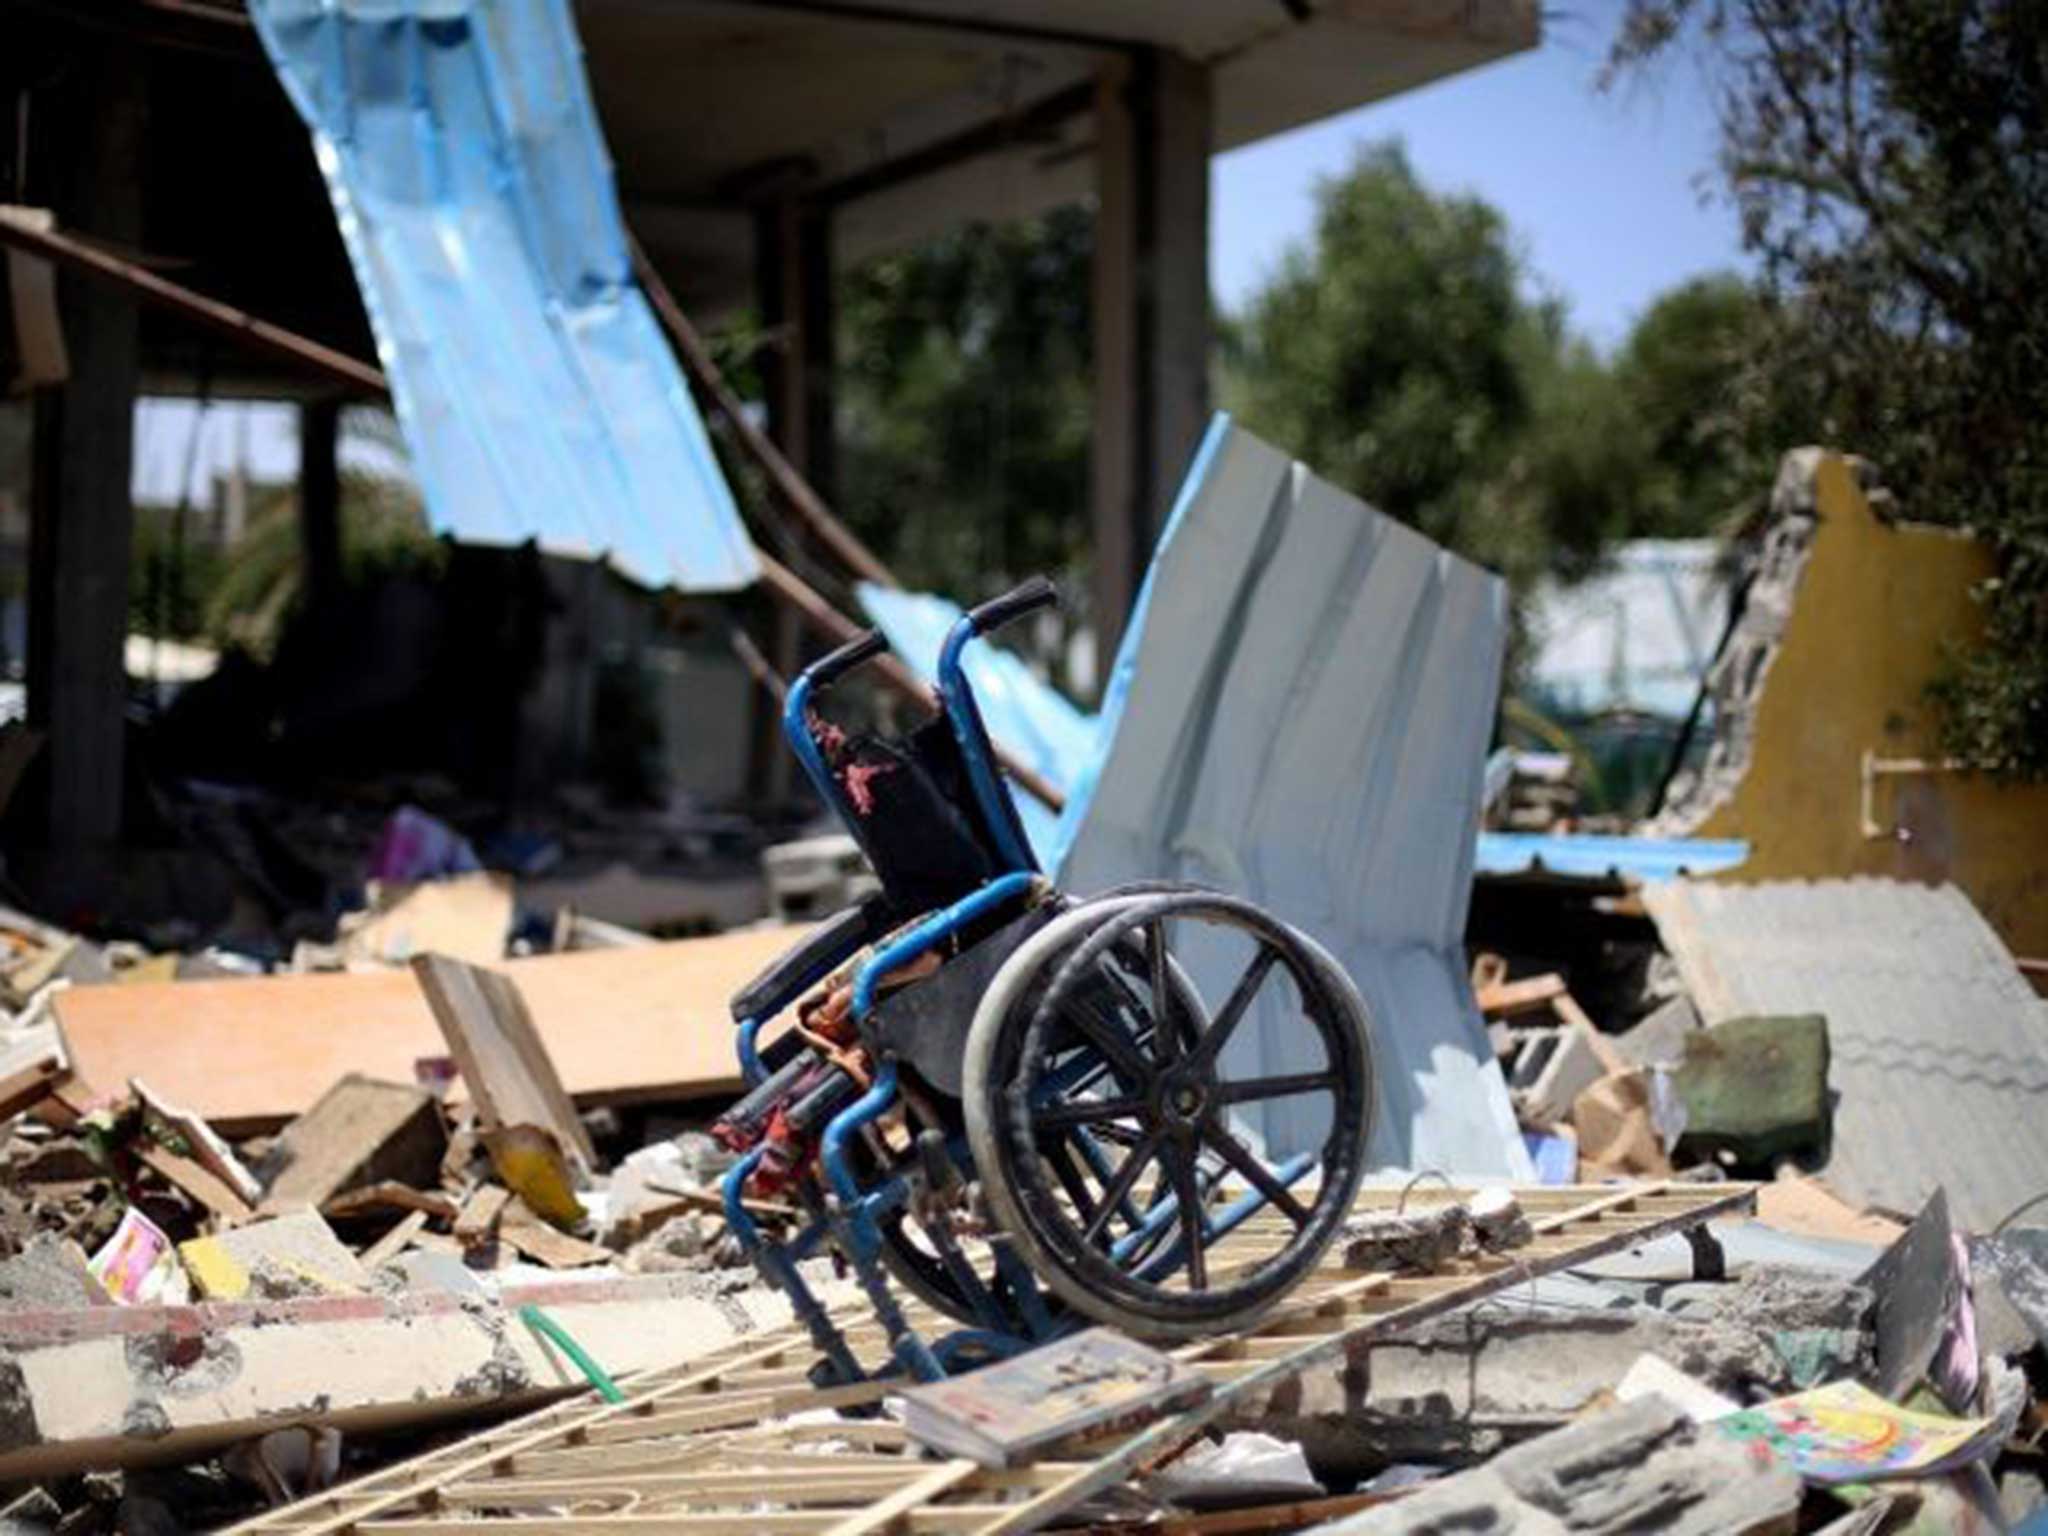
539,398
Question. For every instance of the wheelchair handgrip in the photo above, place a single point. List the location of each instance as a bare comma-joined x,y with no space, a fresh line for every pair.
1033,595
832,666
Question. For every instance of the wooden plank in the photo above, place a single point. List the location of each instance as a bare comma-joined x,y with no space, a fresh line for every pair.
884,1516
201,1185
29,1087
506,1069
621,1026
548,1245
1506,999
390,1195
392,1243
481,1212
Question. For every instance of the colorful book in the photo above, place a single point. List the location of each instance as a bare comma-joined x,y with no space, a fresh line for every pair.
1846,1433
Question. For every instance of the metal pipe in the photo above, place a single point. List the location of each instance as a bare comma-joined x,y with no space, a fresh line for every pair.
89,260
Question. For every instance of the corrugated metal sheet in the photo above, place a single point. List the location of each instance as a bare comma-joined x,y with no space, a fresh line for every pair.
1299,712
1940,1048
1578,856
472,187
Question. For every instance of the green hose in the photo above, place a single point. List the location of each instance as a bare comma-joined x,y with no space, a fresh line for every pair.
549,1329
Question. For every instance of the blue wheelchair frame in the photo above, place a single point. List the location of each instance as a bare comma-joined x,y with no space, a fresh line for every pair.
1010,1312
844,1211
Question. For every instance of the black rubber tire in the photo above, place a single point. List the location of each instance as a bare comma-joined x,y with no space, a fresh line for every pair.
1012,1012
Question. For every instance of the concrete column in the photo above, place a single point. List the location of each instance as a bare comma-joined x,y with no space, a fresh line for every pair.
320,503
793,289
1151,311
87,164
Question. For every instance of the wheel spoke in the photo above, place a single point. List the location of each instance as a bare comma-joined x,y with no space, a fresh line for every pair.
1187,1189
1106,1038
1234,1008
1274,1087
1119,1187
1054,1150
1084,1112
1165,1027
1256,1173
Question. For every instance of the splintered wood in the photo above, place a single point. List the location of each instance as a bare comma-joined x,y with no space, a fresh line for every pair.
699,1449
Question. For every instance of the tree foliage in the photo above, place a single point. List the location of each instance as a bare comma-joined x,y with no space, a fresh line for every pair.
1400,354
964,403
1889,159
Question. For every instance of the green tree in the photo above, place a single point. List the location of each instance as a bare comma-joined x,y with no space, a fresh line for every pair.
1399,354
1391,352
1715,426
964,403
1889,160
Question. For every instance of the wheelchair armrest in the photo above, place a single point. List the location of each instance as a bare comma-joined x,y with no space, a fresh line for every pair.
828,947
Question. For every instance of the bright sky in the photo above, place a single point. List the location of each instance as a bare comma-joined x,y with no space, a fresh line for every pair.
1602,191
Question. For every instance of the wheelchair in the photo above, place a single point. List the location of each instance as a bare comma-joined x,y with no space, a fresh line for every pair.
1013,1102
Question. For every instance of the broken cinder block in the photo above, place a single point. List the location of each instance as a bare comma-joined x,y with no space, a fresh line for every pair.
362,1131
1756,1087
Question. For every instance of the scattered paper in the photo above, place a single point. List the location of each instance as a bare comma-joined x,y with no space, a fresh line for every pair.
1692,1397
139,1266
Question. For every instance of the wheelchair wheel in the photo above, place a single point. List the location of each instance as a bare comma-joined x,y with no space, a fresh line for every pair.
1098,1107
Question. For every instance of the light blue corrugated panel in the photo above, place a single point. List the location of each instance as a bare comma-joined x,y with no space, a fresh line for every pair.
1299,712
1033,720
538,397
1578,856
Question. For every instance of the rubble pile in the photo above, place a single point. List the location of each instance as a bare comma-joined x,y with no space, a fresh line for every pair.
213,1304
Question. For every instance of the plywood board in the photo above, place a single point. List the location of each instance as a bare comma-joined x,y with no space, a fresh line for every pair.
620,1025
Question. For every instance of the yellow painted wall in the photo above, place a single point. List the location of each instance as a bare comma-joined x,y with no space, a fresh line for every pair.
1875,604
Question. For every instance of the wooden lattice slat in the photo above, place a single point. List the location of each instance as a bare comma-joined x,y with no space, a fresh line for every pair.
695,1450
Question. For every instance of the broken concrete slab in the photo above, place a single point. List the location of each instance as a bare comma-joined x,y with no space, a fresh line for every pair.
2016,1261
50,1272
1639,1466
1462,1388
292,1255
361,1131
1756,1087
124,1386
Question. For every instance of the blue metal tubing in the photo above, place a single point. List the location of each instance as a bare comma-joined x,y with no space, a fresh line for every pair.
796,727
957,699
940,925
777,1265
1226,1221
752,1067
866,1109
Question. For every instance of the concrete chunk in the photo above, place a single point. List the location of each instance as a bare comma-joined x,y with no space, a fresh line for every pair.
122,1386
1641,1466
1756,1087
360,1132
